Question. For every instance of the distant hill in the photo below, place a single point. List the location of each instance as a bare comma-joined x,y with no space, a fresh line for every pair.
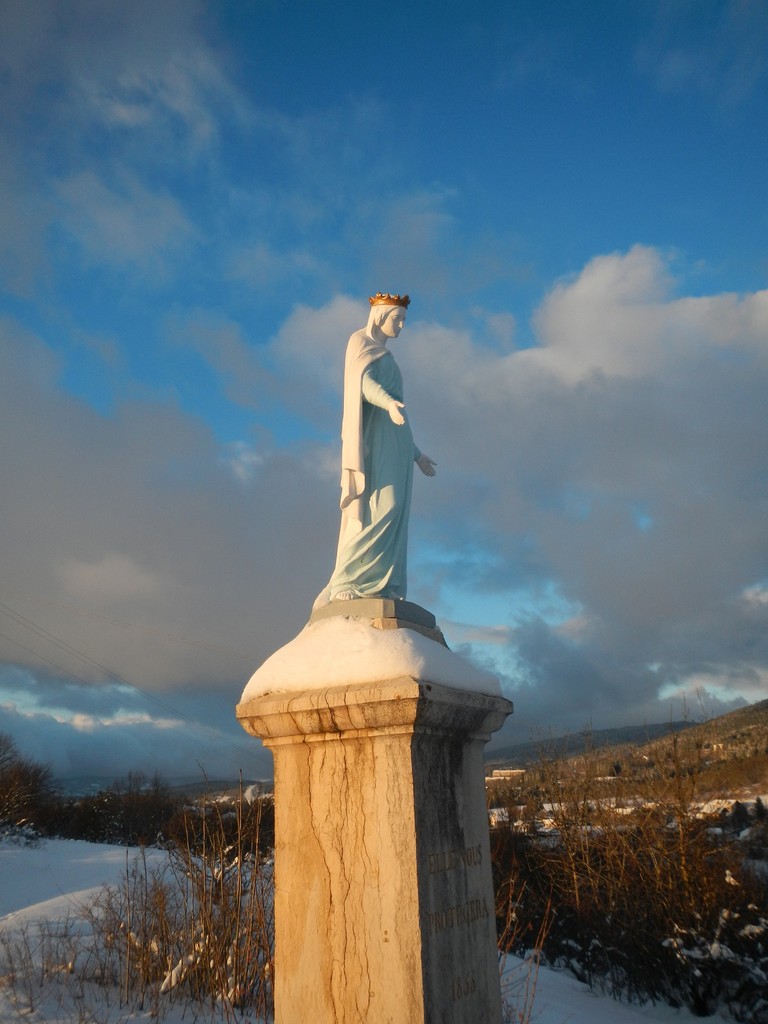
729,754
519,755
742,731
190,785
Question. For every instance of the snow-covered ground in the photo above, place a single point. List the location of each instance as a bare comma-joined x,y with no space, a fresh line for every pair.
55,880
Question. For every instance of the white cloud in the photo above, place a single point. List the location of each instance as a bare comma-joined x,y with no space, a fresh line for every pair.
262,265
128,225
311,343
114,576
301,366
722,55
243,461
223,345
614,458
109,747
757,595
132,545
618,317
143,66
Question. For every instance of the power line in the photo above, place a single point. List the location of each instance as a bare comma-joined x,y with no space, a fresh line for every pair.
41,657
45,634
73,609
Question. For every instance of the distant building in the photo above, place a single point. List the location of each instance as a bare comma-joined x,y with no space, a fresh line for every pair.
501,776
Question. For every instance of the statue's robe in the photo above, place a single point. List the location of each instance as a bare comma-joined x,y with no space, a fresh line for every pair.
371,559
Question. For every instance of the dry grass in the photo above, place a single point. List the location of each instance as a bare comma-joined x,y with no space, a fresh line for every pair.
196,930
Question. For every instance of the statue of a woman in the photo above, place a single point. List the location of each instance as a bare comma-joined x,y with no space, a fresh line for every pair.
377,457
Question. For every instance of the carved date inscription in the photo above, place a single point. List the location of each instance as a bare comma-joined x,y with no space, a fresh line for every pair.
463,986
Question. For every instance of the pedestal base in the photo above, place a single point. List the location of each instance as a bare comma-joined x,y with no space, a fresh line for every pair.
384,903
383,613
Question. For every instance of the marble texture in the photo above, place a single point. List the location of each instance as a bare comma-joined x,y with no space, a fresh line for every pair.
383,893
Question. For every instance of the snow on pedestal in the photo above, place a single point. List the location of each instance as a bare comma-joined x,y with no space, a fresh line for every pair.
340,651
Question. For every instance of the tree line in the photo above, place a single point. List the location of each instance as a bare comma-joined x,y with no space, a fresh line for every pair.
134,811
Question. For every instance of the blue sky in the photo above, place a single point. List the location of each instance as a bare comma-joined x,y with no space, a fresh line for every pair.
196,200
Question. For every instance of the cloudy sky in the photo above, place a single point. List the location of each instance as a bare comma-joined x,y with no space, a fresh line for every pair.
196,198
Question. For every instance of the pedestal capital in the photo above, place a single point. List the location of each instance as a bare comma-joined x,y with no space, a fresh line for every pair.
397,705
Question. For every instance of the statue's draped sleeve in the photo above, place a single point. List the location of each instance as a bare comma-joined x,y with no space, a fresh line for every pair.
374,393
362,351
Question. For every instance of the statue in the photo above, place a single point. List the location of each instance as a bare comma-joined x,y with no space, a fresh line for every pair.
377,457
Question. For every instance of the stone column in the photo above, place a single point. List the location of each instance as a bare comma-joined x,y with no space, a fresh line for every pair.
384,907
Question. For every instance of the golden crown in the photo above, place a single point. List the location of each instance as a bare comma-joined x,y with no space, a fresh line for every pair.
385,299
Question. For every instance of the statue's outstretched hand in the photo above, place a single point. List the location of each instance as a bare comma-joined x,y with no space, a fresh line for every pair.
394,412
426,465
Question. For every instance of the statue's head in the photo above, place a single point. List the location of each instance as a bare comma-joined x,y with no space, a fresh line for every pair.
387,315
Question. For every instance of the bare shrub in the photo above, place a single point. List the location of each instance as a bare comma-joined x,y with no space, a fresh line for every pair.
202,928
519,980
648,899
192,925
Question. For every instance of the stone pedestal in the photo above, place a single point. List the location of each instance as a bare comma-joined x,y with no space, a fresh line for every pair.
384,903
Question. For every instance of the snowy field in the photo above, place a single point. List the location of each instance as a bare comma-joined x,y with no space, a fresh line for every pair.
55,880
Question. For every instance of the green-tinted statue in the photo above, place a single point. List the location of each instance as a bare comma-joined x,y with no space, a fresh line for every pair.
377,457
